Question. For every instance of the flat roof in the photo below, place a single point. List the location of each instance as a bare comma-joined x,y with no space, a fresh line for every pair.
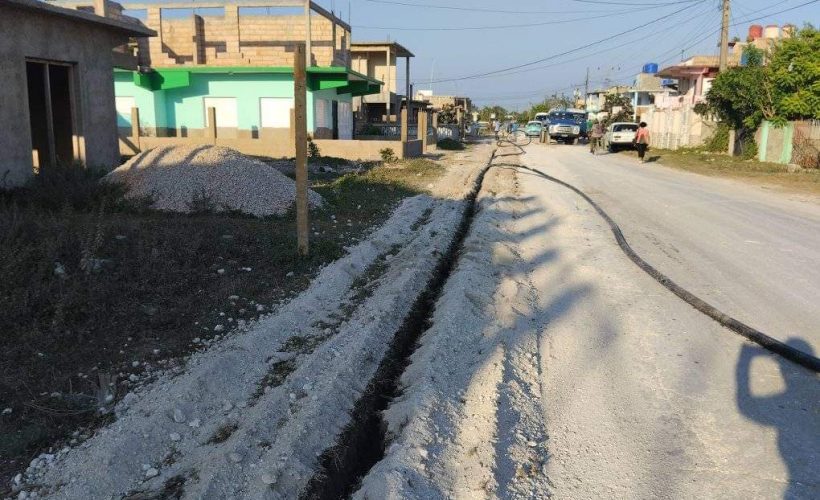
401,51
131,29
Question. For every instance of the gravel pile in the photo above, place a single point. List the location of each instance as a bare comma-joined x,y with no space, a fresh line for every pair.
189,178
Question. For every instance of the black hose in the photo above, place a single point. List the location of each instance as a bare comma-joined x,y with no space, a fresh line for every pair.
797,356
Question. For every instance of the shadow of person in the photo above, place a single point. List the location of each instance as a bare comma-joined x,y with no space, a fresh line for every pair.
789,412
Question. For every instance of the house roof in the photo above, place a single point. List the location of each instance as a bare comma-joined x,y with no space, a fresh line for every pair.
343,80
696,65
400,50
124,27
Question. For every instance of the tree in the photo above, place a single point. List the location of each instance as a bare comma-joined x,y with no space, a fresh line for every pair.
794,70
788,88
741,97
550,102
447,115
485,114
618,108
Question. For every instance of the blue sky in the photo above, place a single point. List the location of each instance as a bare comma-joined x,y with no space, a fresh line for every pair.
553,27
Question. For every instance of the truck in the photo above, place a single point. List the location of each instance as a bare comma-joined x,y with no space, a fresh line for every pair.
565,125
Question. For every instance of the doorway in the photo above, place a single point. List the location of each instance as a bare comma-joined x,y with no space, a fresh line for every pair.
51,117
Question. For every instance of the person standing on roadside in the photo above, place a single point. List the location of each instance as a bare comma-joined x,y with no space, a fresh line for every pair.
642,141
595,136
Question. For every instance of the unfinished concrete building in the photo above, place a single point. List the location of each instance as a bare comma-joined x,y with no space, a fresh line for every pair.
236,57
379,60
57,104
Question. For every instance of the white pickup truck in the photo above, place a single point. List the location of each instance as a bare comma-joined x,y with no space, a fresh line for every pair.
620,135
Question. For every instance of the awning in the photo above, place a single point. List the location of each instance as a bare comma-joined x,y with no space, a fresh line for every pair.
344,80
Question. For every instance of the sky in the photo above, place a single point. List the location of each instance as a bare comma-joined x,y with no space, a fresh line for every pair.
454,39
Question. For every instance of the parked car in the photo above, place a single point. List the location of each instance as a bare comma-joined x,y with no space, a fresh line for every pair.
534,128
620,135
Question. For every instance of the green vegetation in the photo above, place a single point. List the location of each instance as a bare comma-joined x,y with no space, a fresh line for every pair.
787,88
92,282
764,174
388,155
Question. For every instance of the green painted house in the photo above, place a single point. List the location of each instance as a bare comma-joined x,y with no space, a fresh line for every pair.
249,101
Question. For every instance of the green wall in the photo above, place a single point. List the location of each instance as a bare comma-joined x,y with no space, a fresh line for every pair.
183,107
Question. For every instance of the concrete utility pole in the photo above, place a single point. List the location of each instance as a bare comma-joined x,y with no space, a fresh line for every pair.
724,37
300,126
586,89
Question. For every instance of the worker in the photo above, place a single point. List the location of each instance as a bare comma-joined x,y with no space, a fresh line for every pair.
595,136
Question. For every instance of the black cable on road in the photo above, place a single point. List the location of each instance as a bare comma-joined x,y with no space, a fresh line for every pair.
797,356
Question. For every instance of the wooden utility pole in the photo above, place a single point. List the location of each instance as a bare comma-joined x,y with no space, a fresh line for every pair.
300,134
308,36
724,37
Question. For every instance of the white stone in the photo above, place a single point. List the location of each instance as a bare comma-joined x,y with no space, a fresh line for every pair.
152,472
175,437
179,417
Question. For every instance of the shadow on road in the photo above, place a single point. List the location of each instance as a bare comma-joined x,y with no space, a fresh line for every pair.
789,412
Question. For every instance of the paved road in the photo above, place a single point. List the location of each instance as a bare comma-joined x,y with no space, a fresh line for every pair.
753,254
556,367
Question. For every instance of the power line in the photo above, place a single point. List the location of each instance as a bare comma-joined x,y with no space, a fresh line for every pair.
498,26
645,4
571,51
478,9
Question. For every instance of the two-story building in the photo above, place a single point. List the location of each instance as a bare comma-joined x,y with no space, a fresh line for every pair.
237,57
378,60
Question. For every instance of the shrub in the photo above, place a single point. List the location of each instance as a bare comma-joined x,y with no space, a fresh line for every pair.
719,142
450,144
388,155
313,150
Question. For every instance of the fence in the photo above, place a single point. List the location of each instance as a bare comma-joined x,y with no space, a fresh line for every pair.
273,143
390,130
674,128
796,142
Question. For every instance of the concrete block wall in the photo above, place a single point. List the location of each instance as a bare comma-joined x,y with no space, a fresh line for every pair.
236,40
88,49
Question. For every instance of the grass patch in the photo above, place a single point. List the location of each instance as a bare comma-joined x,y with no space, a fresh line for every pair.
721,165
93,283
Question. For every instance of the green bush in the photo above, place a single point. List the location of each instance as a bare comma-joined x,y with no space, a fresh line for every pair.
748,147
719,142
313,150
388,155
450,144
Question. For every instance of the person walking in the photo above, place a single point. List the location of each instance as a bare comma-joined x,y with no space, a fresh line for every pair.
595,135
642,141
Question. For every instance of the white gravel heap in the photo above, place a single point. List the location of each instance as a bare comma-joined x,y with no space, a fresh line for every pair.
175,176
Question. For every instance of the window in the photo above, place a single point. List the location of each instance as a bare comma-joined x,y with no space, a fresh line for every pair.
274,112
123,105
226,114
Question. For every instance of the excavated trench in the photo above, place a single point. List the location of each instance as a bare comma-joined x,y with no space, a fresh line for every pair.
363,442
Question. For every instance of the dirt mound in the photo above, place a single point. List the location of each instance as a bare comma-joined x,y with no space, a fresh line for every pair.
191,178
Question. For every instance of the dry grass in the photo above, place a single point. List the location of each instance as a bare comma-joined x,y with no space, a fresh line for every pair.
92,283
759,173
